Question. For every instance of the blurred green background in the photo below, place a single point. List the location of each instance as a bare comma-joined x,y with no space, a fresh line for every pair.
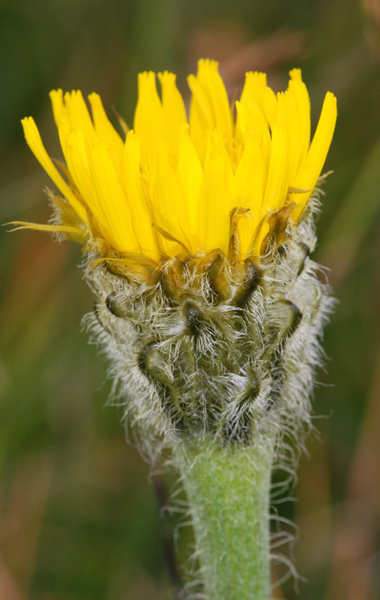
78,516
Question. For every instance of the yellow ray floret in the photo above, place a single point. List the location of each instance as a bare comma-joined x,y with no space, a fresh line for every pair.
177,185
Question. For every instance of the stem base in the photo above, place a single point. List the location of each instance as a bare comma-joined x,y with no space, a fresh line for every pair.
228,492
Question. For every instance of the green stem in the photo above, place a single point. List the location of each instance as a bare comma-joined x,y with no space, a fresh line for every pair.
228,492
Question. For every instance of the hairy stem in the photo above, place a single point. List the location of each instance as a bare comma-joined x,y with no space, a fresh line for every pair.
228,491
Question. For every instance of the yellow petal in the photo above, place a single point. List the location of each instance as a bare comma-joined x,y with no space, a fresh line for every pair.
250,182
174,111
149,116
35,143
250,176
277,182
254,87
295,75
269,101
214,87
106,132
49,228
78,114
56,97
217,198
252,122
76,154
142,221
300,94
288,117
209,106
253,90
189,177
112,210
201,116
315,159
169,208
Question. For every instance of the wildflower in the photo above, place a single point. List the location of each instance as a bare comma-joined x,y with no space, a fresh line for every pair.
198,233
175,186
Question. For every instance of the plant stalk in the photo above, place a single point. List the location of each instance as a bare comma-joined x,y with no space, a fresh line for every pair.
228,491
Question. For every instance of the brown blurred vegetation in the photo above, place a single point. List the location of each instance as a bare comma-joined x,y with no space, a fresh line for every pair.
78,518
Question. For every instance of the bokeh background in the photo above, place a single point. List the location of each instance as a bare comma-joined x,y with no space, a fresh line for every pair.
79,518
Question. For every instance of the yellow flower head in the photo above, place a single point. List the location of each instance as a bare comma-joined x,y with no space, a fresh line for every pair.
193,184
